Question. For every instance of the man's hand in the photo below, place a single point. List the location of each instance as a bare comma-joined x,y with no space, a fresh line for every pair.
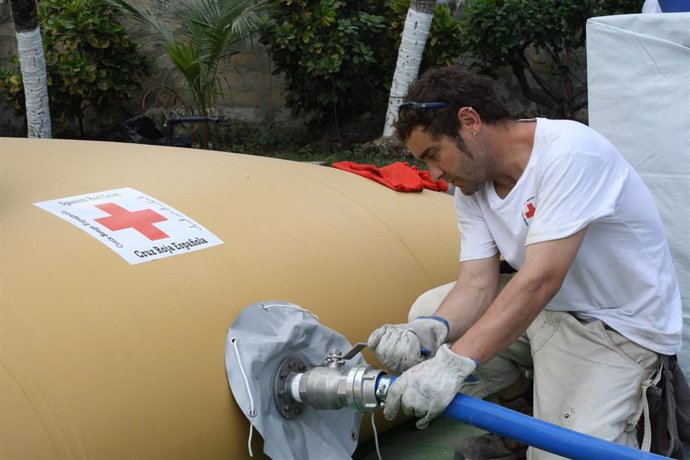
428,388
399,346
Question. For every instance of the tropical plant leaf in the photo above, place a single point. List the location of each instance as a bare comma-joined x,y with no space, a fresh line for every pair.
209,32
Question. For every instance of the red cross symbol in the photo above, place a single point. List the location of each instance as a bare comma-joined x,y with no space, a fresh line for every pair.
141,221
530,210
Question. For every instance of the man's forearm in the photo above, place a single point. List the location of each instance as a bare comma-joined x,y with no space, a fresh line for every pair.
524,297
464,305
518,304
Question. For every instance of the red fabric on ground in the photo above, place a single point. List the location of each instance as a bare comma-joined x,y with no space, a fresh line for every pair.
398,176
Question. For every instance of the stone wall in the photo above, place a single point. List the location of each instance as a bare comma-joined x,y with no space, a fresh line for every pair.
253,92
8,42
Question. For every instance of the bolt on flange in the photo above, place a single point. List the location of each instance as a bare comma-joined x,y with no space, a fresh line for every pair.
287,406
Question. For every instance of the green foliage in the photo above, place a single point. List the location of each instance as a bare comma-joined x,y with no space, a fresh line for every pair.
11,85
332,52
263,137
92,66
338,57
204,33
271,139
442,46
521,33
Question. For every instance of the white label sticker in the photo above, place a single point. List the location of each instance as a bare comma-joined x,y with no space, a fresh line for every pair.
136,226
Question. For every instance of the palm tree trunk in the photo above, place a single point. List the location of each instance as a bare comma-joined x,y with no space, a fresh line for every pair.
415,33
33,66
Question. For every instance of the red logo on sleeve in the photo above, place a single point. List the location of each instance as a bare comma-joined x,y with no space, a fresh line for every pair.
528,210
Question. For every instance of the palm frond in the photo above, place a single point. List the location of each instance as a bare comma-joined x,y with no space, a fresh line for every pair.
209,32
144,16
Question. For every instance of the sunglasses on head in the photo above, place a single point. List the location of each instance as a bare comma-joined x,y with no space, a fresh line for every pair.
422,105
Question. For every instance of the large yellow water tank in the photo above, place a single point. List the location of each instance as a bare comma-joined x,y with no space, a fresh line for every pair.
104,359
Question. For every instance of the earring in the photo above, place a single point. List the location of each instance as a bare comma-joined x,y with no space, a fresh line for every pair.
475,134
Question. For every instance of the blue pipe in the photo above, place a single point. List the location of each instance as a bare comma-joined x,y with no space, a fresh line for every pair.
537,433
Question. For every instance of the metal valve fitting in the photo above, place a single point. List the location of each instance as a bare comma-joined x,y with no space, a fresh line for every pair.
327,387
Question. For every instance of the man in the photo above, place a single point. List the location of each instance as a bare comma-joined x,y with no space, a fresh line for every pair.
595,299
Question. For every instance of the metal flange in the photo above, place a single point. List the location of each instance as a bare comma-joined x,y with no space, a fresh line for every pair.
287,405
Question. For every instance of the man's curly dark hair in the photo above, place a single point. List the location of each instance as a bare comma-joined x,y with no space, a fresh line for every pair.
456,88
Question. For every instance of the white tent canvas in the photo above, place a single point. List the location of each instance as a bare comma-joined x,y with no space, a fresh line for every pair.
639,98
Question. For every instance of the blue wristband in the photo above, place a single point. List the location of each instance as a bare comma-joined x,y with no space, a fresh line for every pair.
438,318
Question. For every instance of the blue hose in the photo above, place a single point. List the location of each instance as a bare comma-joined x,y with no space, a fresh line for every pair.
537,433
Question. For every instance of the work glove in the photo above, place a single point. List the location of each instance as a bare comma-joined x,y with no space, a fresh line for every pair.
399,346
425,390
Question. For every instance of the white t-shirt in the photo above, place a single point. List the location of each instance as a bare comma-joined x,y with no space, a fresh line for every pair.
623,273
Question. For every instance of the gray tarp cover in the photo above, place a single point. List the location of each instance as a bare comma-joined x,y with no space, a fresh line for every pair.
266,334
